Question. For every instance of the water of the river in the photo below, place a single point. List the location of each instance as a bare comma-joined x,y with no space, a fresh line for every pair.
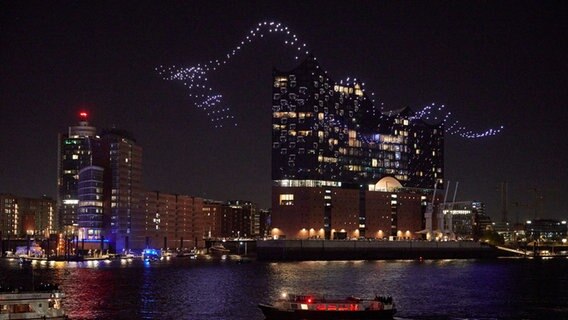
214,289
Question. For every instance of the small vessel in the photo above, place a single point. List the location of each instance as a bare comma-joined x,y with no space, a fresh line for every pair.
185,253
42,304
151,255
24,261
219,249
307,307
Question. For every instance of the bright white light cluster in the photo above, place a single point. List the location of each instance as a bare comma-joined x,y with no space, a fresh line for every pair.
196,81
431,113
452,127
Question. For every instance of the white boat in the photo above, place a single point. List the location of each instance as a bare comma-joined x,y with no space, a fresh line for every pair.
185,253
27,305
219,249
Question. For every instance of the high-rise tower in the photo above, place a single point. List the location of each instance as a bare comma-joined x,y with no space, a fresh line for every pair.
100,186
125,191
74,153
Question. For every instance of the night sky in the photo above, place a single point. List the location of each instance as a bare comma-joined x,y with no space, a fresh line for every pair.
490,63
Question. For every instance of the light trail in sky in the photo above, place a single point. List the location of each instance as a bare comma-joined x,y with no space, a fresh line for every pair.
195,79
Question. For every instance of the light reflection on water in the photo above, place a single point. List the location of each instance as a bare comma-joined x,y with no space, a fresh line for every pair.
223,289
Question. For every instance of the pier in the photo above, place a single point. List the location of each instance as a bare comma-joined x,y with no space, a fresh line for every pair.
296,250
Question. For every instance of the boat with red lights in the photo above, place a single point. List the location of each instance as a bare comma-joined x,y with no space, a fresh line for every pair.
308,307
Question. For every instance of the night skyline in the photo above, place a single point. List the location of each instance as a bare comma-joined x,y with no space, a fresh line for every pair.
490,64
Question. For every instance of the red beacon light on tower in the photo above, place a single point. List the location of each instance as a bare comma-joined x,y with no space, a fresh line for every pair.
83,115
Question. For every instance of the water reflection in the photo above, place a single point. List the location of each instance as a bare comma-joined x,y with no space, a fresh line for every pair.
225,289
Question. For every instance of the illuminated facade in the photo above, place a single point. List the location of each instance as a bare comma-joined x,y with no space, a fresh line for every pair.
330,141
124,175
212,215
239,219
74,153
546,230
100,185
234,219
22,216
468,219
90,211
326,133
173,221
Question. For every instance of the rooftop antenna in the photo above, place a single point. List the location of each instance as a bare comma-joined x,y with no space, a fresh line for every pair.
504,209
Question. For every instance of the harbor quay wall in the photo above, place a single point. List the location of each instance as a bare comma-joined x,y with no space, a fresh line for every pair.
297,250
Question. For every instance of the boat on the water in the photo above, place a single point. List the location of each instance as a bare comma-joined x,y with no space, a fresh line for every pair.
219,249
151,254
42,304
307,307
187,253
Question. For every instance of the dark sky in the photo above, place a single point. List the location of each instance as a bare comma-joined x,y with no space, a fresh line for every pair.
491,63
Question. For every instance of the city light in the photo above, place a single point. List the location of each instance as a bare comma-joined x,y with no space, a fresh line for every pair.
195,79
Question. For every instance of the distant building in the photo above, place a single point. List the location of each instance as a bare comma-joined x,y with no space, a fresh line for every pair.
239,219
212,215
468,219
263,223
172,221
545,229
90,209
234,219
24,216
100,189
505,229
343,168
124,189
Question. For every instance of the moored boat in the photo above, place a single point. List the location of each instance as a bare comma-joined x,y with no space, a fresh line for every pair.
307,307
43,304
219,249
185,253
151,254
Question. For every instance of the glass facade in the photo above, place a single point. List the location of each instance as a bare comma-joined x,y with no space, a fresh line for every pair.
325,131
75,152
90,208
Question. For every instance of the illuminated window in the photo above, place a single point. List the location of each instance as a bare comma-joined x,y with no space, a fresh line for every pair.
280,82
286,199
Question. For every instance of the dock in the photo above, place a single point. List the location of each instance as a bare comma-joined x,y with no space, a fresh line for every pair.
298,250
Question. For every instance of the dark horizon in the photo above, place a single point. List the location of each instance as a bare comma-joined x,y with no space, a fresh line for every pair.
491,64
